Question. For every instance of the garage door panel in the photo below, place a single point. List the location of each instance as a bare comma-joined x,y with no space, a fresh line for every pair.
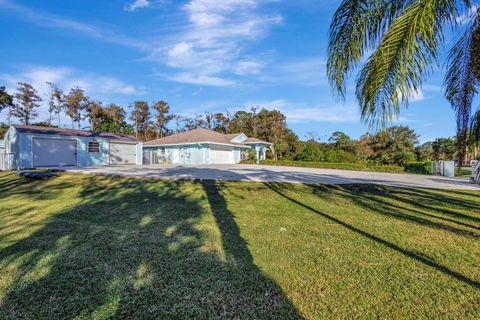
221,154
54,152
123,153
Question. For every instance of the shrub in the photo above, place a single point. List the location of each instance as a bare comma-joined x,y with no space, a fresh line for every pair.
419,167
404,157
360,166
252,156
310,152
248,162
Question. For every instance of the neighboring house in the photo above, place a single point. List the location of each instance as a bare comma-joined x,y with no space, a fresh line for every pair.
203,146
33,146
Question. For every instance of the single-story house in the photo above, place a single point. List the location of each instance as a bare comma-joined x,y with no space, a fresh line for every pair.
33,146
203,146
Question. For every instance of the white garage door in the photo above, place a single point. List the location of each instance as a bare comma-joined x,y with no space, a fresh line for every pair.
221,154
123,153
54,152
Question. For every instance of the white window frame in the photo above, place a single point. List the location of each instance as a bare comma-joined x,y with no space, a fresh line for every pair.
95,148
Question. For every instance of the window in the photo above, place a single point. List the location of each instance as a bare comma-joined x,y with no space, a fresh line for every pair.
243,155
94,147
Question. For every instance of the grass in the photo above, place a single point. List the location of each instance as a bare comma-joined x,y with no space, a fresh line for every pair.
80,246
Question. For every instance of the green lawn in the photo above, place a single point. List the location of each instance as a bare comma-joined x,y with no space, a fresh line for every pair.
100,247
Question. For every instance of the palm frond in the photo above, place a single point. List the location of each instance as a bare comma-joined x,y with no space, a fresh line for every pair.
463,79
475,126
406,52
355,29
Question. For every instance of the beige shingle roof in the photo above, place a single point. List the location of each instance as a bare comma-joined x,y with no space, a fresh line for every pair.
193,136
255,140
202,136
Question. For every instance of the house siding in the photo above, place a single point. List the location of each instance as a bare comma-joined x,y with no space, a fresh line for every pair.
191,154
11,141
236,155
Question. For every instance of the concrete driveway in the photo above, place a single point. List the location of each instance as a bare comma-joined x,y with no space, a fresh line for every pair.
278,174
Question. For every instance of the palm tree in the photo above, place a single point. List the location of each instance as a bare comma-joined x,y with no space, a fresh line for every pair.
402,39
475,133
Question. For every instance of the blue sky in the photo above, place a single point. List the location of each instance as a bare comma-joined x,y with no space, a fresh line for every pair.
198,55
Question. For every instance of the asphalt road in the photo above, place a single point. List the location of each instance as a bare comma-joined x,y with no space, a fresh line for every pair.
278,174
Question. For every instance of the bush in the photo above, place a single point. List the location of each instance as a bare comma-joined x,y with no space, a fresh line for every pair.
404,157
361,166
310,152
248,162
252,156
419,167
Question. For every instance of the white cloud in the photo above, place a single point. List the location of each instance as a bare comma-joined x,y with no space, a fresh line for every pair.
202,80
96,86
213,41
53,21
305,71
302,113
247,67
137,4
431,88
417,96
413,96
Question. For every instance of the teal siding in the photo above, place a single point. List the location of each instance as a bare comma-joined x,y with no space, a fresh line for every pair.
11,141
192,154
236,155
187,154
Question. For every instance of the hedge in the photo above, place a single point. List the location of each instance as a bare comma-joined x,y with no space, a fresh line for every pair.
419,167
332,165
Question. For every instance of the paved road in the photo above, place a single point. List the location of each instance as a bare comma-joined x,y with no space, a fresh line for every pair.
279,174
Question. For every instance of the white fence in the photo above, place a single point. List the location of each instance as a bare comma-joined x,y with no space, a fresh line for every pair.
6,161
476,171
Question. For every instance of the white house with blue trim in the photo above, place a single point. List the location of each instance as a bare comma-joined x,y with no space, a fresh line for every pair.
203,146
33,146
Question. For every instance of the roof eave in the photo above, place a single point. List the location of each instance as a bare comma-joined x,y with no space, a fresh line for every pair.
194,143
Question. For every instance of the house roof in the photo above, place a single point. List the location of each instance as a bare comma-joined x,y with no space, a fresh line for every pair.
255,140
193,136
201,136
72,132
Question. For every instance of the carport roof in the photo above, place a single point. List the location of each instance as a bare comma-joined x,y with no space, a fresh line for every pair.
72,132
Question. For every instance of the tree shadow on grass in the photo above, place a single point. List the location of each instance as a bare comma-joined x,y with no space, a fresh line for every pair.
272,300
378,199
279,189
138,249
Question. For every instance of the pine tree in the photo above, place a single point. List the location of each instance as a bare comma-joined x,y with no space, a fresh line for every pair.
163,117
6,101
76,102
27,99
56,103
142,118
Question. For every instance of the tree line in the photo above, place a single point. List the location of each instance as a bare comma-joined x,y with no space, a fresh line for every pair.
392,146
148,121
395,145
